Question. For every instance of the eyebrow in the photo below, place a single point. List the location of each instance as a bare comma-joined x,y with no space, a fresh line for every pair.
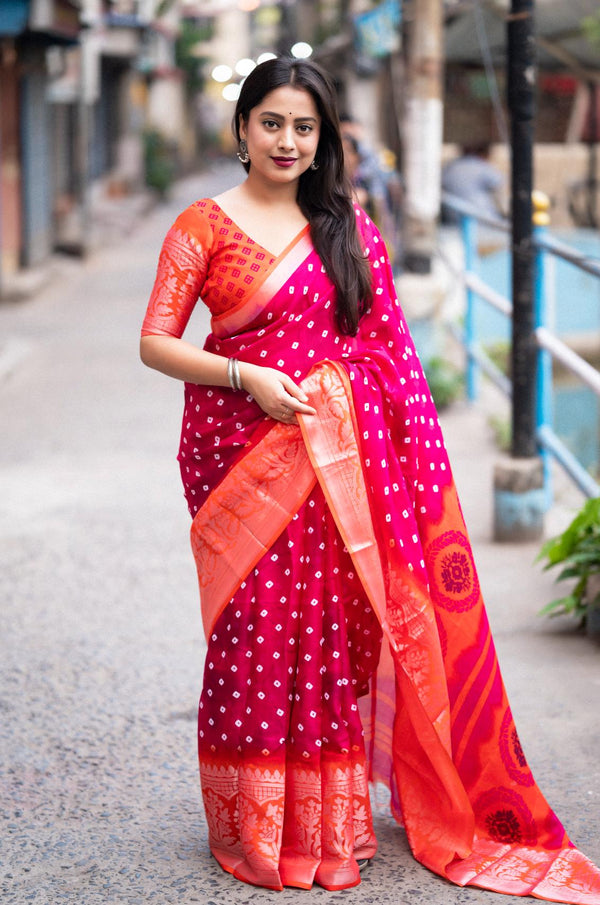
303,119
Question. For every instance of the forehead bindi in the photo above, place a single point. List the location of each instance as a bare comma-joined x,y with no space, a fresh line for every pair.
287,102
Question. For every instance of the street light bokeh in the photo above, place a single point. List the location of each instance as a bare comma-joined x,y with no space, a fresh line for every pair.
245,66
266,56
231,92
301,50
222,73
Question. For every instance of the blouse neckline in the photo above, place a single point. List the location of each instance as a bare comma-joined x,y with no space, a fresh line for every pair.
271,254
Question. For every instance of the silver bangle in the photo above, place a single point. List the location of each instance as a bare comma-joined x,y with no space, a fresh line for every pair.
230,373
236,375
233,374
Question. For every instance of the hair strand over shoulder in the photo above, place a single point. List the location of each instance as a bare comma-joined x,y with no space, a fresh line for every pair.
324,194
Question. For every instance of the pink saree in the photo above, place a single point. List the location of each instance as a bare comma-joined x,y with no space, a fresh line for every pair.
347,639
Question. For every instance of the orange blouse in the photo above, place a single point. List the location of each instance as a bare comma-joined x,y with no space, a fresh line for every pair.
204,254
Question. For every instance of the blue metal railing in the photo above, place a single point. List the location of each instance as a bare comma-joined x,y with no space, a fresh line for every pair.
550,346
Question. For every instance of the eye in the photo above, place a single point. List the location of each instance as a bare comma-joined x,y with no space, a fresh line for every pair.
305,129
270,123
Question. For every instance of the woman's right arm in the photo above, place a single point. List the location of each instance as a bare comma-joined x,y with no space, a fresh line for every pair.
182,360
274,391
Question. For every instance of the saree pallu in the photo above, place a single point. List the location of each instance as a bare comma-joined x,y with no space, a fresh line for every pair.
347,637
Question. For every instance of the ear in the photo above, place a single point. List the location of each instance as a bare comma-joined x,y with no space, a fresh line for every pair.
242,127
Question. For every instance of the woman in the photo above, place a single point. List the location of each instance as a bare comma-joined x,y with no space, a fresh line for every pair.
347,640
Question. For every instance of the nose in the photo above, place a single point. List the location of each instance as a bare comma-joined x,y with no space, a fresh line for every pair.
286,137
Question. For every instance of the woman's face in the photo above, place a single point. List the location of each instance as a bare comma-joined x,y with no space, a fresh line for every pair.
282,134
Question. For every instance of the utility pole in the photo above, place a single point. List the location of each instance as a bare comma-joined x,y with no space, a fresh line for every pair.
519,495
521,84
422,131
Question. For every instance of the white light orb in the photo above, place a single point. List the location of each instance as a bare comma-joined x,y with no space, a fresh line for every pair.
231,92
266,56
222,73
302,50
244,67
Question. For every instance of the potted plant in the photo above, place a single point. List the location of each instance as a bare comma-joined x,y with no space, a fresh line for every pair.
577,550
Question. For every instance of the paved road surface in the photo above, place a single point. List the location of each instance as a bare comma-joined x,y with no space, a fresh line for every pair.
101,647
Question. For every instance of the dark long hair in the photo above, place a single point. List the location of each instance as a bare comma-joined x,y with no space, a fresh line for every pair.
324,194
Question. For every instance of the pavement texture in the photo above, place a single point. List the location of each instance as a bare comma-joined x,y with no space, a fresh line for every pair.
101,647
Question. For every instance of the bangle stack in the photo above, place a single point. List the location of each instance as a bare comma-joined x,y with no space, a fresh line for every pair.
233,374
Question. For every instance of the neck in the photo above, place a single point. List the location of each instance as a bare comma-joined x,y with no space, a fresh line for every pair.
267,193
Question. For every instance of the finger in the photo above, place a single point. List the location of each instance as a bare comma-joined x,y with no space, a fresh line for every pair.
293,389
301,407
285,415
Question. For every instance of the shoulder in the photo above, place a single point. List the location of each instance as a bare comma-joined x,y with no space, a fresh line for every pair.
197,222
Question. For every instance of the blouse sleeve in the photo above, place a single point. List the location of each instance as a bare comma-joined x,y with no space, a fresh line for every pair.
182,269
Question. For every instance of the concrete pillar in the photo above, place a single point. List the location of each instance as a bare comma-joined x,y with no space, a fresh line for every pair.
422,133
519,499
36,152
592,593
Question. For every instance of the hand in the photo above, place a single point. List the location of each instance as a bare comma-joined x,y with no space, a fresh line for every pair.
275,392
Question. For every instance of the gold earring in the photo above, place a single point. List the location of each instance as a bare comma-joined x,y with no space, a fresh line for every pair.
242,153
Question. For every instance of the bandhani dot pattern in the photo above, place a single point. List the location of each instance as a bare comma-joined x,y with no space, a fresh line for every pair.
347,638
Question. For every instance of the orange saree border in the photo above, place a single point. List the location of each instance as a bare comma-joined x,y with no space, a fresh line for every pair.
246,513
439,819
286,264
292,800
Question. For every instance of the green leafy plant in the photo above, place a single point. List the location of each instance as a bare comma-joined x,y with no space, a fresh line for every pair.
590,26
190,54
502,430
159,162
577,550
499,353
445,382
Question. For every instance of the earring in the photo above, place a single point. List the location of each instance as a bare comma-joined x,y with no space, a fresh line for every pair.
242,154
314,165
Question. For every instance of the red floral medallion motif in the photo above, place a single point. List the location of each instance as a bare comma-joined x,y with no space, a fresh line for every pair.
504,817
454,582
512,753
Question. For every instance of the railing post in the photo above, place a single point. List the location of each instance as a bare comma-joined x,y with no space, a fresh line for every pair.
468,230
544,409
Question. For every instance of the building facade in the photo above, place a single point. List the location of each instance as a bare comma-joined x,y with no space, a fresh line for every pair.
81,83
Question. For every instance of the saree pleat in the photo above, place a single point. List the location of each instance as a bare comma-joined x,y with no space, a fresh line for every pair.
347,638
280,691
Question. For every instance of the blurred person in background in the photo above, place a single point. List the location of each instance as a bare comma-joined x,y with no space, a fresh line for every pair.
352,162
347,639
375,180
472,178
